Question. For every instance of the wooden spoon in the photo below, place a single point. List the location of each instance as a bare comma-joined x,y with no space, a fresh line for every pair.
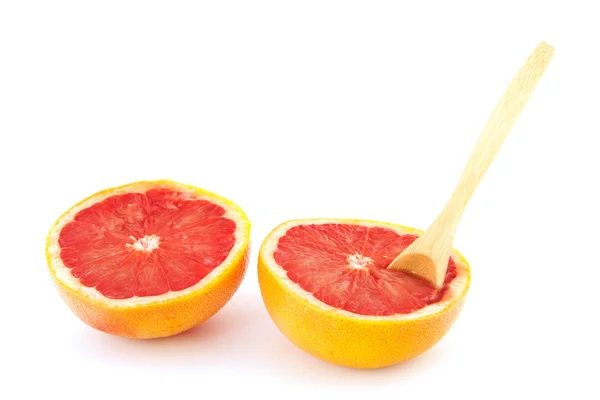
428,256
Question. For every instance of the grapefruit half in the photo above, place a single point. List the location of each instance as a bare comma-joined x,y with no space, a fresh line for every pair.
148,259
325,285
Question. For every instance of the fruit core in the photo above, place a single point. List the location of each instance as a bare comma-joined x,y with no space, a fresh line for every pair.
344,266
358,261
146,244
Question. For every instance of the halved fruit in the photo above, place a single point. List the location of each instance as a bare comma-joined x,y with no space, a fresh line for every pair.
326,287
149,259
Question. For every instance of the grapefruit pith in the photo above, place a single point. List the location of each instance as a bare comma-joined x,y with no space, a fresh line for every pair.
326,287
148,259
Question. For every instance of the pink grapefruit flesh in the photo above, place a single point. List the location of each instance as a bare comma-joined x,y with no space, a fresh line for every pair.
146,244
344,266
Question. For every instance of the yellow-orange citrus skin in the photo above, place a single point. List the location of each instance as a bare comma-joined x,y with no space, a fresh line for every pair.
158,318
348,340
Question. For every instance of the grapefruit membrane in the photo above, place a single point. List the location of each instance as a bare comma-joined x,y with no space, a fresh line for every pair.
325,285
149,259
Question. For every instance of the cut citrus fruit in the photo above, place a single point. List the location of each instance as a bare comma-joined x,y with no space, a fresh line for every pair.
149,259
326,287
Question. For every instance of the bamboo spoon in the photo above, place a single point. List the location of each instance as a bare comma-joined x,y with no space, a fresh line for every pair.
428,256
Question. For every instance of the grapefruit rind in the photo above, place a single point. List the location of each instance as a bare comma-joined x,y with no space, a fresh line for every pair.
152,316
346,338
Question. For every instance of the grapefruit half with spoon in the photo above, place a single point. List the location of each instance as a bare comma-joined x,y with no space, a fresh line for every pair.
326,287
149,259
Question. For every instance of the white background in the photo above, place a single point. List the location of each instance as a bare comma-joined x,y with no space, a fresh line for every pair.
306,109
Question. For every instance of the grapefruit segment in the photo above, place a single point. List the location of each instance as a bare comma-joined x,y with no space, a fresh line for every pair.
344,266
148,246
195,230
326,287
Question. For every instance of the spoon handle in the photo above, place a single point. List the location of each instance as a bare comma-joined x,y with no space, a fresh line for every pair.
497,128
428,255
